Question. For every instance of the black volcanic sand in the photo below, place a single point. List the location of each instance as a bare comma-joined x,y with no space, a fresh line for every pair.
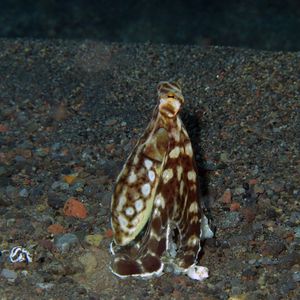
76,109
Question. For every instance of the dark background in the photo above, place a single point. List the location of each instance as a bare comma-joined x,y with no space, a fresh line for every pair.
259,24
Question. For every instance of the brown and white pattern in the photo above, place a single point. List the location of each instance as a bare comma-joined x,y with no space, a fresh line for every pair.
156,194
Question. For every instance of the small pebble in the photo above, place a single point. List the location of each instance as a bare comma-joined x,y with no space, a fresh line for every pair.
296,276
198,273
209,165
54,201
94,239
249,274
295,217
239,191
111,122
249,214
24,193
277,186
235,206
55,146
60,185
226,197
78,186
89,262
290,260
66,242
297,232
9,275
70,178
75,208
11,191
56,229
259,189
3,170
230,219
224,157
252,261
287,286
42,152
45,285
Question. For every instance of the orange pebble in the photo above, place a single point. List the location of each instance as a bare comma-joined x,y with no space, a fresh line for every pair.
253,181
235,206
109,233
70,178
75,208
55,229
226,197
3,128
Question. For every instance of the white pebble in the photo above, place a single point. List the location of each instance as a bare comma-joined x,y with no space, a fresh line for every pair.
197,272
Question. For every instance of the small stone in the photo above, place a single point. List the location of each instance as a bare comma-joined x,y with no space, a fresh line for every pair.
46,244
295,217
109,233
277,186
106,199
3,170
9,275
24,193
239,191
55,146
66,242
273,248
235,206
198,273
297,232
258,226
60,185
271,213
56,267
20,159
270,193
56,229
259,189
209,165
75,208
45,285
54,201
111,122
89,262
252,261
88,190
253,181
287,286
224,157
248,214
226,197
110,148
78,186
296,276
42,152
231,219
290,260
249,274
41,208
94,239
70,178
10,222
11,191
